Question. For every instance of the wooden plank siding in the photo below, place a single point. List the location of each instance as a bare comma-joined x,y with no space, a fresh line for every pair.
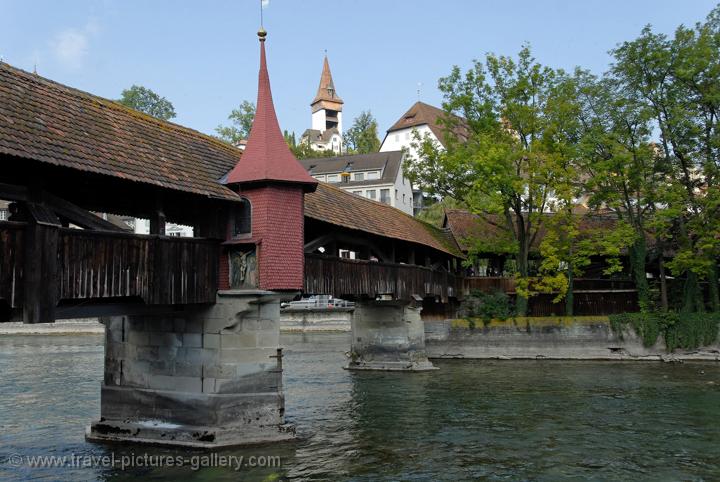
590,296
160,270
12,239
100,265
355,278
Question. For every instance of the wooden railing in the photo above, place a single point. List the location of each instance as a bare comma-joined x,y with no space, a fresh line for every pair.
97,265
590,296
489,284
159,270
12,239
354,278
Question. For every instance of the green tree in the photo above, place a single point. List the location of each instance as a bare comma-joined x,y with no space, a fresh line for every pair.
362,137
241,120
500,170
676,79
147,101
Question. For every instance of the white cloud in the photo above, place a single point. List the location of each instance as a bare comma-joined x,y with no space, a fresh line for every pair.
71,46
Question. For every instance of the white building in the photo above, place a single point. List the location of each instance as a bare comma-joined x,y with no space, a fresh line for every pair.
424,119
326,131
377,176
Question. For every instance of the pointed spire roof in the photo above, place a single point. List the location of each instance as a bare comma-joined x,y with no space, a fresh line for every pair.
267,156
326,89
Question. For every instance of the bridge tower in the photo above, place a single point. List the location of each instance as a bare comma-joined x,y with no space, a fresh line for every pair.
211,376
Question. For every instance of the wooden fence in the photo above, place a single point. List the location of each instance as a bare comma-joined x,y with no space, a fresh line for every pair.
12,239
354,278
84,265
590,296
160,270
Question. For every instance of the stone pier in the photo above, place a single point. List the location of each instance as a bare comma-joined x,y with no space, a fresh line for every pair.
203,377
388,335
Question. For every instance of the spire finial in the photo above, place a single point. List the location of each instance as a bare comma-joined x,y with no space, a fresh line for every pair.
262,33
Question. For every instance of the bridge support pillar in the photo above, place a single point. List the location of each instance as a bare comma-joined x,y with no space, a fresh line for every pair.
204,377
388,335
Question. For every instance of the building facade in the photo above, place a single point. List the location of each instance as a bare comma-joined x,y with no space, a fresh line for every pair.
377,176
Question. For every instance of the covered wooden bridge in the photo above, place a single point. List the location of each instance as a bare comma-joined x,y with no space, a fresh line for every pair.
76,166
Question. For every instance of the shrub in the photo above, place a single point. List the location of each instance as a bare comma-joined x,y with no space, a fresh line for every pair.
680,330
489,306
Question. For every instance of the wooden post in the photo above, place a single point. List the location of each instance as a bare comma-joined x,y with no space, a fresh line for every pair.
157,222
40,271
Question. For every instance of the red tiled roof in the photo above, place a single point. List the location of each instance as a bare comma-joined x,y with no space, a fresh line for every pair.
425,114
336,206
267,156
466,227
49,122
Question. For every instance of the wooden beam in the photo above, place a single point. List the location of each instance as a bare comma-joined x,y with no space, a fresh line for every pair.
77,215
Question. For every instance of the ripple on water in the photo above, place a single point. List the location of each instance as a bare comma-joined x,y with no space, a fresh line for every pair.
540,420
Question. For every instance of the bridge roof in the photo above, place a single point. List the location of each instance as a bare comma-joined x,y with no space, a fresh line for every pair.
49,122
341,208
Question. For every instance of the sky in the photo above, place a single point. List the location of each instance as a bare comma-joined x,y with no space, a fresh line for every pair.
203,55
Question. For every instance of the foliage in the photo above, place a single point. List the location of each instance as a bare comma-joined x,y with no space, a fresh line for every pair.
362,137
679,330
501,168
434,213
241,120
488,306
145,100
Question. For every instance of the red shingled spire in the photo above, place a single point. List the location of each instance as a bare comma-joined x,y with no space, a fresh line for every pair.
267,156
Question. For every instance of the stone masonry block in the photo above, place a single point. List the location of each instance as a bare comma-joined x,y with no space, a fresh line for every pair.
241,340
192,340
220,370
247,355
208,385
268,338
138,338
175,383
165,339
211,340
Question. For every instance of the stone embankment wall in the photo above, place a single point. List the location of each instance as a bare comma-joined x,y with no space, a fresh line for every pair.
315,320
581,338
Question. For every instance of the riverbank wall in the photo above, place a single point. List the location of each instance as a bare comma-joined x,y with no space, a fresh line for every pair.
305,321
85,326
573,338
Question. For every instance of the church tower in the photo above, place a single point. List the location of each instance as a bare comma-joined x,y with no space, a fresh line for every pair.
327,105
326,131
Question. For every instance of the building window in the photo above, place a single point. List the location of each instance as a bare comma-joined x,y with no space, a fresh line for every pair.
359,193
242,222
397,195
333,178
407,136
397,137
3,214
371,194
359,176
385,196
373,175
320,178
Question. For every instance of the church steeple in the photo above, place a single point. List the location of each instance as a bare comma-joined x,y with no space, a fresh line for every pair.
326,89
267,156
327,105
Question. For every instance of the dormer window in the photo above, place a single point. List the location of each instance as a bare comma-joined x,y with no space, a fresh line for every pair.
242,219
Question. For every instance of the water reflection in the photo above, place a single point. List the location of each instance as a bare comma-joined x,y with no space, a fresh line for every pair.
537,420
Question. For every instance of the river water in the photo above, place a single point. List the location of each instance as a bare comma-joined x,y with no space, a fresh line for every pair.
470,420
